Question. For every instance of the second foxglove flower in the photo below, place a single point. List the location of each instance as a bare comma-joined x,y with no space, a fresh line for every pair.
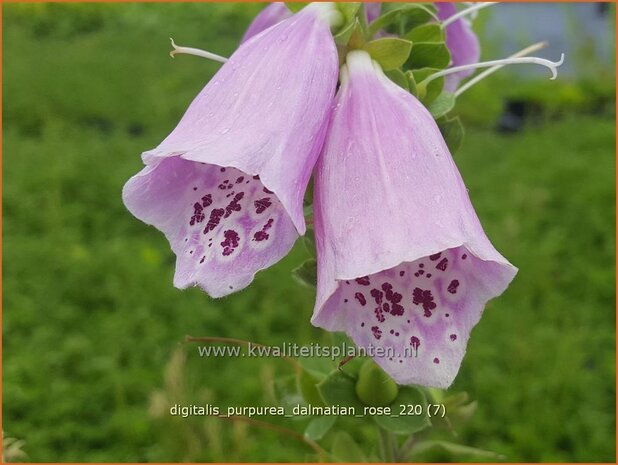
403,262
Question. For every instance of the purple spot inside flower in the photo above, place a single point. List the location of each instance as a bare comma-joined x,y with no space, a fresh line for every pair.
263,235
452,287
206,200
363,280
377,295
231,242
424,298
262,204
215,218
234,206
361,298
443,264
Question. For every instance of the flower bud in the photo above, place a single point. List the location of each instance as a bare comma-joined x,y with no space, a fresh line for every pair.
374,387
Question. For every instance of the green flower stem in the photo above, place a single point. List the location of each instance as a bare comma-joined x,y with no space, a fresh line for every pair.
388,445
406,448
323,454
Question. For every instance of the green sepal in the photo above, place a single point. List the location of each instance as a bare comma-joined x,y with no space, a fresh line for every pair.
453,132
308,241
409,14
345,34
307,381
339,389
405,424
295,7
374,387
285,391
426,33
411,83
429,55
426,92
442,104
390,52
454,452
399,78
348,10
346,449
319,426
307,273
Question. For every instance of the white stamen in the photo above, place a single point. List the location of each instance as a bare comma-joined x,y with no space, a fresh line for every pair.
479,77
552,65
195,51
466,12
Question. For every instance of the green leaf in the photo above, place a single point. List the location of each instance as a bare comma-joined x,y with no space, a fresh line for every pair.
319,426
309,241
399,78
348,10
453,132
410,14
285,392
412,83
429,55
338,388
389,52
343,36
307,273
442,104
407,423
374,387
307,381
345,449
426,92
454,451
295,7
426,33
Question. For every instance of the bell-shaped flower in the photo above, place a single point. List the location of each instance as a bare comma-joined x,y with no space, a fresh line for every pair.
462,42
226,186
272,14
404,267
372,10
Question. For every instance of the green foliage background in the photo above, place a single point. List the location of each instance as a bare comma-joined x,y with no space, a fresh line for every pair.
93,328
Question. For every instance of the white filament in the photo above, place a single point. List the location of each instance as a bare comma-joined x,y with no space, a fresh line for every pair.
479,77
196,52
552,65
467,11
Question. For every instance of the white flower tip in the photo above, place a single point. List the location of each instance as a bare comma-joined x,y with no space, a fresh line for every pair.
173,52
327,12
554,68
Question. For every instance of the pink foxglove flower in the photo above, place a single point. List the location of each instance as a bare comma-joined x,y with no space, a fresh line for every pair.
226,186
372,10
403,262
461,41
272,14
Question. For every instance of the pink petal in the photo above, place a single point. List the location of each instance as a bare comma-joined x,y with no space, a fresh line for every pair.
462,42
272,14
247,144
372,10
403,262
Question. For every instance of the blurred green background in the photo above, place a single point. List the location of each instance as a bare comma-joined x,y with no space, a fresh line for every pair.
93,327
